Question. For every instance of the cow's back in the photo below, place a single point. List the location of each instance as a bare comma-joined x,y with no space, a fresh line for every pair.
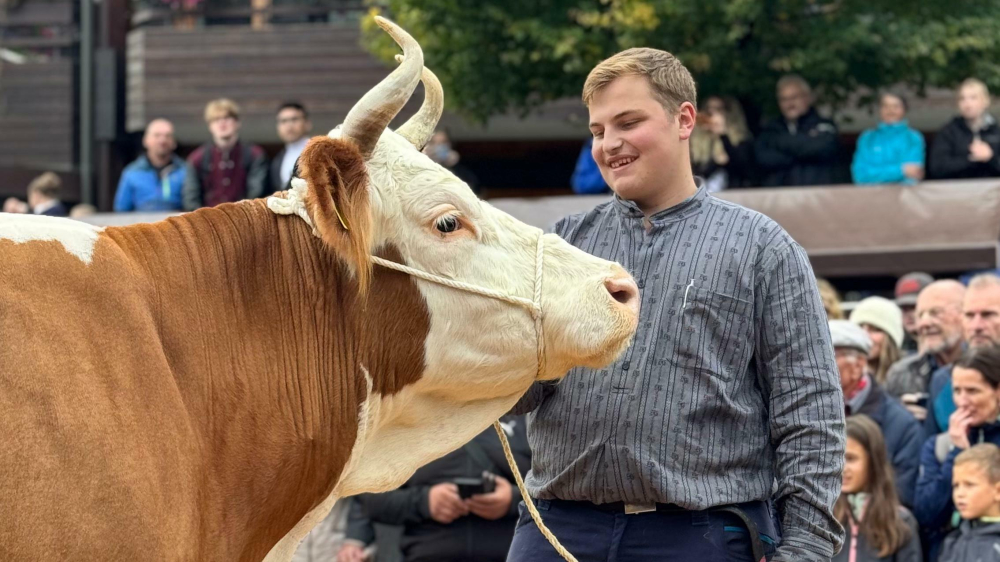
88,407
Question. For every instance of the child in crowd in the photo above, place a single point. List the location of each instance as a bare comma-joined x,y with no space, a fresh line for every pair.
879,528
976,491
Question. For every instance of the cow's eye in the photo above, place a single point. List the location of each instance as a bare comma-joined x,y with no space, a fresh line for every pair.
448,223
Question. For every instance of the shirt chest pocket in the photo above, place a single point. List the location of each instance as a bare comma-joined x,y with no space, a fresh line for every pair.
715,333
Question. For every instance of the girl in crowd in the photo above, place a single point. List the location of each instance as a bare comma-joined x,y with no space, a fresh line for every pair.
721,147
878,527
883,321
975,383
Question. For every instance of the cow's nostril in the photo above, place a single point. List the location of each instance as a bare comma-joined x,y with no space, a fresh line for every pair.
624,290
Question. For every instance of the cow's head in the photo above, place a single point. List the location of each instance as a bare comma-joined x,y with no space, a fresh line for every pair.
368,189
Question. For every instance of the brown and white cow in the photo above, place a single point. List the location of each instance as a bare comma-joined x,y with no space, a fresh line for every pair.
205,387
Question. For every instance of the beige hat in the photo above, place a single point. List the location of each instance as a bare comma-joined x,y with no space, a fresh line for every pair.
882,314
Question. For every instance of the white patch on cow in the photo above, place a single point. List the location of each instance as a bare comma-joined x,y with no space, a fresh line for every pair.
412,428
78,238
284,550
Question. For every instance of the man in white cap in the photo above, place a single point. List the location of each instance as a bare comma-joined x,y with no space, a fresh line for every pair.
862,395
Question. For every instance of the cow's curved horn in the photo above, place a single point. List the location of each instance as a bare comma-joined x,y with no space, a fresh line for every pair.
419,128
370,116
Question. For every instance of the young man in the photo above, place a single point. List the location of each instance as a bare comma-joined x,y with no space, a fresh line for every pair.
969,145
153,182
226,169
976,491
293,129
729,395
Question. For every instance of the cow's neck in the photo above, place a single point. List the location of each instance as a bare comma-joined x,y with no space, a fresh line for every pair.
266,337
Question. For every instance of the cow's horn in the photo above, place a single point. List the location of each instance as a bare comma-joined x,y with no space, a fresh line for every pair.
370,116
419,128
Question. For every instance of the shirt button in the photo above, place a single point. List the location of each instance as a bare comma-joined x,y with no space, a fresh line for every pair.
625,366
641,283
225,181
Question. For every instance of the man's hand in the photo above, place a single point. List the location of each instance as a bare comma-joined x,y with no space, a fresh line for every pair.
351,552
494,505
913,171
979,151
445,503
910,402
958,428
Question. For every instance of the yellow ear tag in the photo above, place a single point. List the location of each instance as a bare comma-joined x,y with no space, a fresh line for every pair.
339,216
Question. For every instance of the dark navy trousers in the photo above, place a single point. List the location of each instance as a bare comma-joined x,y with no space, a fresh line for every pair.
593,535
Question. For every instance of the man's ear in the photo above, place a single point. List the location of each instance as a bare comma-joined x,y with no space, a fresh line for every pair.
686,115
337,200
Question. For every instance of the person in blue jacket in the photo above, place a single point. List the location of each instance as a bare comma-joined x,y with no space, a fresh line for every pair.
891,152
976,389
154,180
587,179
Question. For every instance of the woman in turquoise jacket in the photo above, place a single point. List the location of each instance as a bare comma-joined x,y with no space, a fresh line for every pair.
891,152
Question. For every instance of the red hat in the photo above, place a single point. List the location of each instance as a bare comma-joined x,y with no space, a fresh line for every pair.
909,286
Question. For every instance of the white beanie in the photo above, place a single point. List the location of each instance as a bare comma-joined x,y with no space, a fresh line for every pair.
882,314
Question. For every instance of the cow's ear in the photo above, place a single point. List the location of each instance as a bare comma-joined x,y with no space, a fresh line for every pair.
337,200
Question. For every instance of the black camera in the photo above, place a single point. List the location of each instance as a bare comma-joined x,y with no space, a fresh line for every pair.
468,487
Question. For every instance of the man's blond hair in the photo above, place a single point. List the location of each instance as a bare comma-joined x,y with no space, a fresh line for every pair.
222,107
669,80
975,83
986,456
46,185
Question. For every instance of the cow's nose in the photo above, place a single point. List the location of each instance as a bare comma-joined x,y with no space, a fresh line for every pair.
624,290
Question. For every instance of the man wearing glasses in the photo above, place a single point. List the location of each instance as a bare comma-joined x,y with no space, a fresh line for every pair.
293,130
224,170
800,147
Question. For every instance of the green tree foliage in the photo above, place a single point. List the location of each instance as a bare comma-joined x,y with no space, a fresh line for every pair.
495,56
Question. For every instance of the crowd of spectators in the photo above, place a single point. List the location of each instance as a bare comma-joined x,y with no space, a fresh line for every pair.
803,148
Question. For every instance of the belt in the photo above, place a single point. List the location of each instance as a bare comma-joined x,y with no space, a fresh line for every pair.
756,544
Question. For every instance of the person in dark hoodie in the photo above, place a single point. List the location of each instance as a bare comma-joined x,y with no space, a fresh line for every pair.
440,523
969,145
862,395
976,387
879,528
799,148
976,483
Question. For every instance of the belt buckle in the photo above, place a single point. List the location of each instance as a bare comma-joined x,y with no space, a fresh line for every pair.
634,508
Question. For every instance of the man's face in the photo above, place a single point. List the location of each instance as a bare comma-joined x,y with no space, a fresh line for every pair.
851,364
794,101
224,129
939,320
637,143
891,109
981,316
292,125
159,139
972,102
975,496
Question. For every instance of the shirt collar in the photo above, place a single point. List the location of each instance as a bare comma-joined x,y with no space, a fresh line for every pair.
690,206
901,124
297,146
41,208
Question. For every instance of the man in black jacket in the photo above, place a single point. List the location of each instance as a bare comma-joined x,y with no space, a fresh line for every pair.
439,524
969,145
800,148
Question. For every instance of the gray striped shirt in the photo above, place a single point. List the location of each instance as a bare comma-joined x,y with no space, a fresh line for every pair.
729,392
